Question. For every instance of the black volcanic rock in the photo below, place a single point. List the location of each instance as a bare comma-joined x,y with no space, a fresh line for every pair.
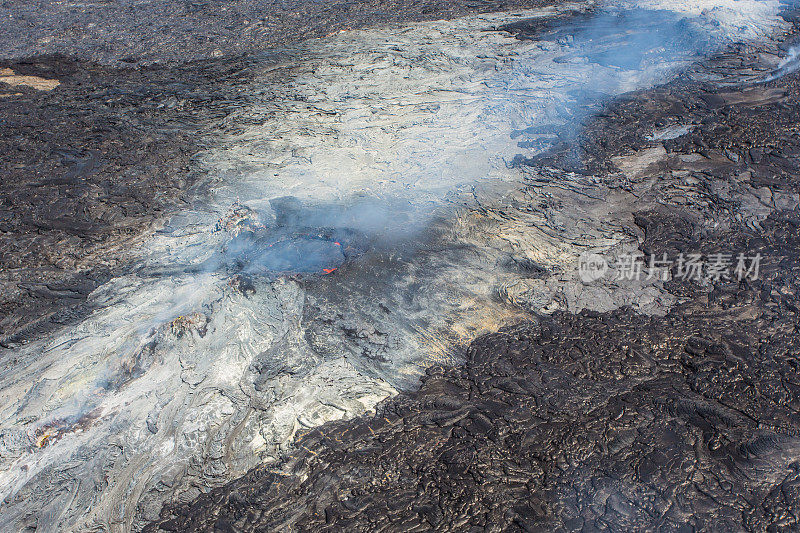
90,168
174,31
597,421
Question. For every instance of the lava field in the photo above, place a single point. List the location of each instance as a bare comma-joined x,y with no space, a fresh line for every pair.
436,266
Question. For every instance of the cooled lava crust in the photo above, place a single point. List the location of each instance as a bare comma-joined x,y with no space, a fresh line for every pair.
597,421
93,167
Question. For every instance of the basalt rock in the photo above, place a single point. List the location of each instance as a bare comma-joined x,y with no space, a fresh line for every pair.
170,31
599,421
97,146
577,422
91,167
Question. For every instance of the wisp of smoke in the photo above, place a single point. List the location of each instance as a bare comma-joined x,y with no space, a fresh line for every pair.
788,64
294,237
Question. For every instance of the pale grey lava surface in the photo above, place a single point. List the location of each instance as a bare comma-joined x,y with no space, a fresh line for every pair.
360,217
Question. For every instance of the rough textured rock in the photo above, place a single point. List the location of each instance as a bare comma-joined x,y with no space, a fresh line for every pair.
248,323
599,421
180,375
95,157
172,31
577,422
90,168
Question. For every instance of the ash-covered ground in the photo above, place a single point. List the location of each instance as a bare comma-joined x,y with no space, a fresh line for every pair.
348,214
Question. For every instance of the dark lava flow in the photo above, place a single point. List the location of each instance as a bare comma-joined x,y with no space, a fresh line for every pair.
90,168
175,31
598,421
